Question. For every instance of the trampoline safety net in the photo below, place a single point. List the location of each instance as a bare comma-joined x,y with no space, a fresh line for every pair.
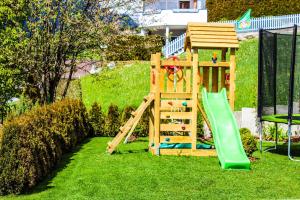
279,72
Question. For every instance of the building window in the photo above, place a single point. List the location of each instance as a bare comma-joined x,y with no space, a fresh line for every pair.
184,4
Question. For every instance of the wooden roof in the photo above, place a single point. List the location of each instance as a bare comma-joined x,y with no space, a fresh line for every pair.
211,35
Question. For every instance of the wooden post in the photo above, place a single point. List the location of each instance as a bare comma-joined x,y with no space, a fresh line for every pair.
188,54
223,69
194,100
151,125
232,78
157,104
215,79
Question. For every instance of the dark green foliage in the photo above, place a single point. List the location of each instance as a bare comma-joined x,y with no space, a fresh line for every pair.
232,9
33,143
134,47
112,121
126,114
97,119
142,129
249,141
200,125
269,133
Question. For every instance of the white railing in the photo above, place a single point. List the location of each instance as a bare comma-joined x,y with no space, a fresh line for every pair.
272,22
175,46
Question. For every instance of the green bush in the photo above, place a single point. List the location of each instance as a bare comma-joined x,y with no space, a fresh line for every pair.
269,133
33,143
232,9
249,141
134,47
112,121
97,120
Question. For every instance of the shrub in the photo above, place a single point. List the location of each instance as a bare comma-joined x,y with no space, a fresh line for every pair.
134,47
269,133
142,129
112,121
33,143
97,120
126,114
232,9
249,141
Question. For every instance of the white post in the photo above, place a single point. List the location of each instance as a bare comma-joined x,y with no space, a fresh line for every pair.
167,40
143,32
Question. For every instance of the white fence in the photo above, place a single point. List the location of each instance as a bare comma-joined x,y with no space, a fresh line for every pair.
272,22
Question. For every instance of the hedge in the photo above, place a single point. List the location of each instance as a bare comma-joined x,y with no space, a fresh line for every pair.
232,9
134,47
33,143
249,141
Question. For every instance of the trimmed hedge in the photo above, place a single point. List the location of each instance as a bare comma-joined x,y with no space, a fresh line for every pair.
232,9
249,141
33,143
97,119
134,47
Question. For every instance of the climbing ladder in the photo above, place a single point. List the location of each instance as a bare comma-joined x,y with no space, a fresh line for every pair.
130,125
173,116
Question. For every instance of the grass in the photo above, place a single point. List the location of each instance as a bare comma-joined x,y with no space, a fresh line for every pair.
123,86
126,85
133,173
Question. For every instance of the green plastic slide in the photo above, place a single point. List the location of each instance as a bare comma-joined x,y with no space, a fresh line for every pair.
225,131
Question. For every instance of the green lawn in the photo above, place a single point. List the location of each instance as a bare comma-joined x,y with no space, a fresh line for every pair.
126,85
133,173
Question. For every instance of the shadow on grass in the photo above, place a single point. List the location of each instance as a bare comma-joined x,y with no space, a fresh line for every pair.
131,151
282,149
62,164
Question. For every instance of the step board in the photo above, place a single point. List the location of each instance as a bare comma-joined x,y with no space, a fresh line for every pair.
174,95
176,115
176,103
175,139
176,127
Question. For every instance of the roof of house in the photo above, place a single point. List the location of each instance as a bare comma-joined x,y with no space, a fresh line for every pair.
210,36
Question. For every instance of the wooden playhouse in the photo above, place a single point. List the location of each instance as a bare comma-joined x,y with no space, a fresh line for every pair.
174,103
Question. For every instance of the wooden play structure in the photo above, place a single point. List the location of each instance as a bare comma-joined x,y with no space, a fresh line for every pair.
174,101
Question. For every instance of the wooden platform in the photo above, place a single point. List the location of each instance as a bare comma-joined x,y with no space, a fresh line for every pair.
185,152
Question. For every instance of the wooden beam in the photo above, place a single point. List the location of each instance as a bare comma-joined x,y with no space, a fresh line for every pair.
195,100
174,95
212,40
176,127
176,115
199,24
175,139
215,79
151,125
232,79
186,152
216,29
230,33
214,45
223,70
212,37
211,64
157,104
206,78
179,63
176,103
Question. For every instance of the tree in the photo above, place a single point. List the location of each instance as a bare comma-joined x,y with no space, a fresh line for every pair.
55,32
12,14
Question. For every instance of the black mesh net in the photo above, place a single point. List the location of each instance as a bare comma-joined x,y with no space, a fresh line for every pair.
276,54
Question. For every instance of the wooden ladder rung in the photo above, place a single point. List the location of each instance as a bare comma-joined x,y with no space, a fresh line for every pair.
174,95
176,127
176,115
175,139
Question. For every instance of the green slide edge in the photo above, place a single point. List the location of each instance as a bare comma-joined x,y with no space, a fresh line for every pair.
226,160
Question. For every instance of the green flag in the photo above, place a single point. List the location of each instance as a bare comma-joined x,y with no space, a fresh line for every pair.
244,22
